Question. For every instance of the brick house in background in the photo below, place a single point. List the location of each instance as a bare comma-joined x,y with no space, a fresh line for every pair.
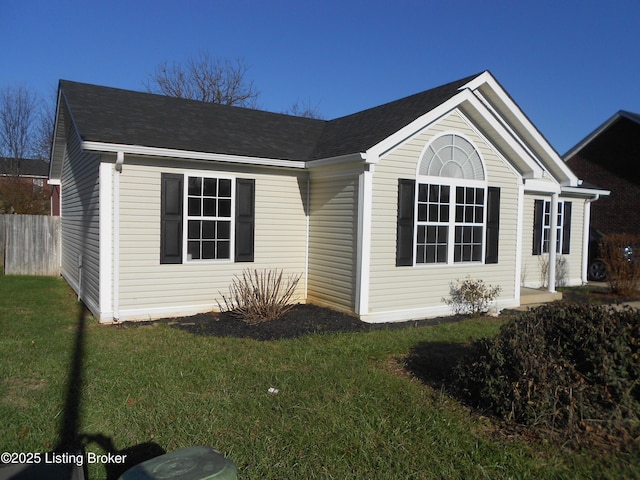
24,184
609,157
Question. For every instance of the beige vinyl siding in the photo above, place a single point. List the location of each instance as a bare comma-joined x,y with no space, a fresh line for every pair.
80,218
146,287
424,286
332,239
533,266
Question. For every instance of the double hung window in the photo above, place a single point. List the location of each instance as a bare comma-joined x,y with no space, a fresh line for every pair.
206,218
209,218
543,223
450,226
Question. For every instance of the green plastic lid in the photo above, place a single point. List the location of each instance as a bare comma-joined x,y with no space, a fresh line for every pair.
193,463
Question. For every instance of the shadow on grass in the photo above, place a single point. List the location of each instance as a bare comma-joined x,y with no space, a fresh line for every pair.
433,362
71,440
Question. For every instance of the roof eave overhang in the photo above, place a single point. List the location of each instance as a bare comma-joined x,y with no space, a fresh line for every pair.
189,155
586,192
357,157
542,149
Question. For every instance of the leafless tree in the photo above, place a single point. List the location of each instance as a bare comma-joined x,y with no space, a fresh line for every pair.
304,109
26,132
205,78
43,130
18,111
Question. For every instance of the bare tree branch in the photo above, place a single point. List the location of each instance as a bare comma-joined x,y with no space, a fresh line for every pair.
304,109
205,78
18,109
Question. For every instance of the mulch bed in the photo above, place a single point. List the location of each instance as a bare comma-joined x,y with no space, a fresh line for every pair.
299,321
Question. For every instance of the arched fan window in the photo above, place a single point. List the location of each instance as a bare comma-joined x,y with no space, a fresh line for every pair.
451,156
451,203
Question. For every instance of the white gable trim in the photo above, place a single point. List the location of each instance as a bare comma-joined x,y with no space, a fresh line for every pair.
464,97
489,80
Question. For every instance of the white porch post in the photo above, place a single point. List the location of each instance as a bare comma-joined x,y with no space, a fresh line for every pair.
553,236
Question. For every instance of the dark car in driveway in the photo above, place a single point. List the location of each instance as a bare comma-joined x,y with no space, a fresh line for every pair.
597,267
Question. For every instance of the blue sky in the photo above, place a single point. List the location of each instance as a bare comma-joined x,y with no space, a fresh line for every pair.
569,65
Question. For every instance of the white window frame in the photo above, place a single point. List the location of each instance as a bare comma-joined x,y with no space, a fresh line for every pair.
186,256
546,227
451,223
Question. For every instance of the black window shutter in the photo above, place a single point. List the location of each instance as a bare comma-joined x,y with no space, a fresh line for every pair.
245,219
493,224
538,212
171,218
566,228
404,242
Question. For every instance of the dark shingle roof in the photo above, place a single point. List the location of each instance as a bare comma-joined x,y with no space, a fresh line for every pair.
24,167
111,115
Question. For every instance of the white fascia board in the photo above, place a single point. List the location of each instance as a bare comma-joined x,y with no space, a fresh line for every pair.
358,157
189,155
553,156
55,134
54,181
588,192
465,96
535,185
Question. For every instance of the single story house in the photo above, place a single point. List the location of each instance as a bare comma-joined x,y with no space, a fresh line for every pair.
610,158
164,200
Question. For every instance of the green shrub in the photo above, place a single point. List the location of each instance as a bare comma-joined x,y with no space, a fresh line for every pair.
568,367
260,295
471,296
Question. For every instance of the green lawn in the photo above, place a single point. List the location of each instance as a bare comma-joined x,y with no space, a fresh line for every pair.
345,408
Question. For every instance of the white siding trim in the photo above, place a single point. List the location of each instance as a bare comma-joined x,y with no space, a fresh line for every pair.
107,263
519,232
154,313
363,248
425,312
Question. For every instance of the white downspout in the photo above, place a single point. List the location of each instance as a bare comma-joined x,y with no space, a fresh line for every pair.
116,235
307,209
553,238
585,237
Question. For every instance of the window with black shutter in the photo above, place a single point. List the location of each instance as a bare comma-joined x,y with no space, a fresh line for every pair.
206,218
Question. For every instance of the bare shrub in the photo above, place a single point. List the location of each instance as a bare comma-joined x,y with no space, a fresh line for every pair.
623,270
259,295
471,296
562,270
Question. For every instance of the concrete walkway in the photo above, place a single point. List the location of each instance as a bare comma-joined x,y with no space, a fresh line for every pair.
533,297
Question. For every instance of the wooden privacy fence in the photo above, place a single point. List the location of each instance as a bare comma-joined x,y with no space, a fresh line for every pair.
30,244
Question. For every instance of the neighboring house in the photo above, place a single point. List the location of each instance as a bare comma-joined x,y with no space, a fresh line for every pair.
610,158
164,200
23,184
